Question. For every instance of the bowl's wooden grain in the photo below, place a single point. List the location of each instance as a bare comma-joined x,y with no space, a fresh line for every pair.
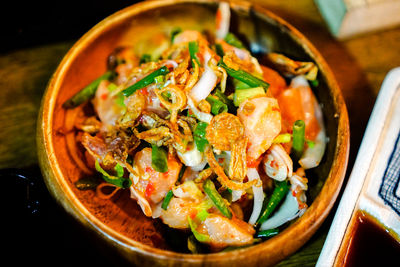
119,221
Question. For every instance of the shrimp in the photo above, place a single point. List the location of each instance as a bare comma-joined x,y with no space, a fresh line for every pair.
106,106
151,184
225,232
187,201
305,110
276,82
277,163
309,111
262,123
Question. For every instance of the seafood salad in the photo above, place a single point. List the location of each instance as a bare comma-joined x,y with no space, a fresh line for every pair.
205,138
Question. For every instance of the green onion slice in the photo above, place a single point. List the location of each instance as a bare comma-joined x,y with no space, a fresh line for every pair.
167,199
217,106
87,92
244,76
119,181
149,79
299,128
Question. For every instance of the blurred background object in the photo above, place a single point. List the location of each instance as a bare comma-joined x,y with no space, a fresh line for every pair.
348,18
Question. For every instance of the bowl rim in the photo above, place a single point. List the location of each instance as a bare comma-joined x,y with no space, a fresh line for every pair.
311,219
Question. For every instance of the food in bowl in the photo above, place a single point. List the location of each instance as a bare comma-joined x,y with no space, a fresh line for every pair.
205,138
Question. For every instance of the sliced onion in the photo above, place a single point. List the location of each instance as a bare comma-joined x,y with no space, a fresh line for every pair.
202,116
206,82
192,157
312,155
288,211
258,193
223,21
236,195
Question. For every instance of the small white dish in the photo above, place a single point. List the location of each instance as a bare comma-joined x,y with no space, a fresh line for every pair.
373,187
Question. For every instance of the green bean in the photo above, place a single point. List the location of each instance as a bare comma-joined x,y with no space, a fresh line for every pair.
217,106
199,136
149,79
167,199
267,233
87,92
216,198
279,193
298,138
159,159
244,76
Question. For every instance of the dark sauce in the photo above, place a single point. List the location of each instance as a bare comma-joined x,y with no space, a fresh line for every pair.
371,245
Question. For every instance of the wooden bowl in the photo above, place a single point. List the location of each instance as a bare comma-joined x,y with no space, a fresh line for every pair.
119,221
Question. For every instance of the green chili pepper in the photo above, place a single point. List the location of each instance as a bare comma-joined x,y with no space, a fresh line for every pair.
217,106
279,193
231,39
159,159
149,79
88,92
119,181
199,136
193,49
167,199
267,233
244,76
298,138
216,198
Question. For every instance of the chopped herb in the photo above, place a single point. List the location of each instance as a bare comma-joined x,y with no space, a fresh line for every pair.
199,136
159,159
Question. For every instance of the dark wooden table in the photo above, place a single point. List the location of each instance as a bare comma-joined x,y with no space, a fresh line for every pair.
359,65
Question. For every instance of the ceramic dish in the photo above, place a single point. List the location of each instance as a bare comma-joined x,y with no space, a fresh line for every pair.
372,189
120,222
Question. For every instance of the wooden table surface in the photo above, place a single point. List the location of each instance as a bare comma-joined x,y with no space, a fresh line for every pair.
359,65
